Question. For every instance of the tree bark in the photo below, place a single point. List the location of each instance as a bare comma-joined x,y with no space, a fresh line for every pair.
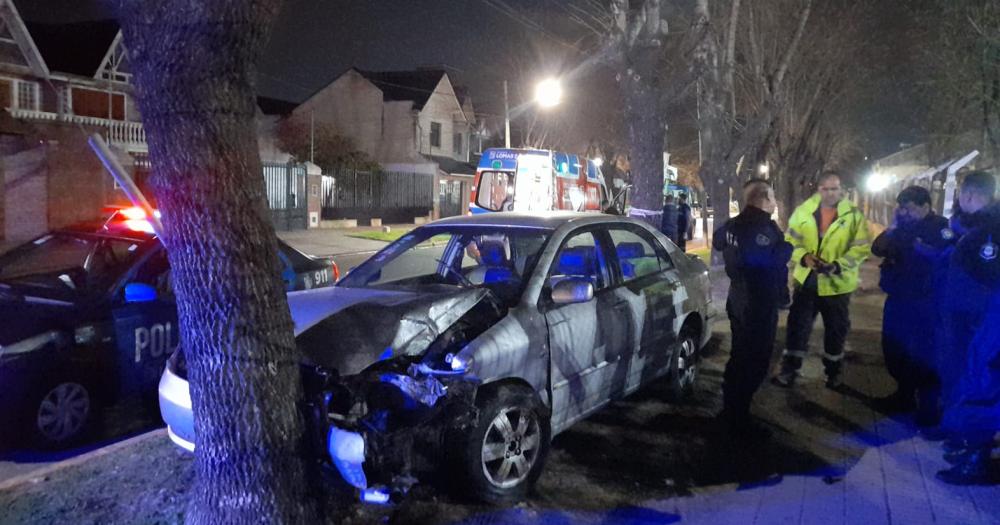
193,64
645,136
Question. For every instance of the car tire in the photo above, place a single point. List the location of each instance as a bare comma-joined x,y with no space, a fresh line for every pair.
683,366
511,433
61,414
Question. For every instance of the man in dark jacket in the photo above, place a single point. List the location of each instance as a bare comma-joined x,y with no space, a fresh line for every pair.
683,222
668,224
973,415
756,256
909,249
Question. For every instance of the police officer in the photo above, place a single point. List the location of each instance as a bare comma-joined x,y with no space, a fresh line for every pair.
683,222
964,299
973,415
831,240
756,256
909,249
668,223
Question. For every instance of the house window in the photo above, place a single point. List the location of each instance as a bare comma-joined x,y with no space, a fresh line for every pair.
435,134
100,104
457,142
27,95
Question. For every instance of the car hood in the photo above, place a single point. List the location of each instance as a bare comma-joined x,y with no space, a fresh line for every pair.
20,320
373,325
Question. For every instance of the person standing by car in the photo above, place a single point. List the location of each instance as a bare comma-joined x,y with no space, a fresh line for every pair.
756,256
683,222
831,240
909,249
668,224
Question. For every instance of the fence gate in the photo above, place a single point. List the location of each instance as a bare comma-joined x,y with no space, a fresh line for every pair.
286,195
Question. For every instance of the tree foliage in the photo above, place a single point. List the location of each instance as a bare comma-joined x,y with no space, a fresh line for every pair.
321,144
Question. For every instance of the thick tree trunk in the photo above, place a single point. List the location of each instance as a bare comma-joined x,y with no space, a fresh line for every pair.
193,64
645,136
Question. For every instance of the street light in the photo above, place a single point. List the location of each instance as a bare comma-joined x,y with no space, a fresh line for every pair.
877,182
548,93
598,161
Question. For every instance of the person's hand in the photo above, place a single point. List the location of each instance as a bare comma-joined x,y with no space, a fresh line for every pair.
810,261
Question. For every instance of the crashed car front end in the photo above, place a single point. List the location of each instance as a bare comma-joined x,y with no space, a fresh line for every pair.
385,382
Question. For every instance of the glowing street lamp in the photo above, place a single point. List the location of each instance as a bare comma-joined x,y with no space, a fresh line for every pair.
548,93
598,161
877,182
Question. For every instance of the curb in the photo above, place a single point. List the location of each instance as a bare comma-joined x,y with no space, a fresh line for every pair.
34,475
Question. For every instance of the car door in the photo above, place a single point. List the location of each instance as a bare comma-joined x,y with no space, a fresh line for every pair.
146,329
648,282
586,338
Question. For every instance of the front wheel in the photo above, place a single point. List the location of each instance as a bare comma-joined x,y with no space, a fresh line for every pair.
61,414
683,366
502,456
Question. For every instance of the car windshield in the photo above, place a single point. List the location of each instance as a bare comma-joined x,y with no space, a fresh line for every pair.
497,257
66,263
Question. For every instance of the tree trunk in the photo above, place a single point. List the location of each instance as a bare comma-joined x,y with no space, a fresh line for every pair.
193,65
645,136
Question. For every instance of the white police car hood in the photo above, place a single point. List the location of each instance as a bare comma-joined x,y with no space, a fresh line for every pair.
349,329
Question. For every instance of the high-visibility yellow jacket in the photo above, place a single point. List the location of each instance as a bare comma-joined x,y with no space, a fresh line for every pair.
847,243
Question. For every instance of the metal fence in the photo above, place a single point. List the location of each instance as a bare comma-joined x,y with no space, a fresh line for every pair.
286,195
391,196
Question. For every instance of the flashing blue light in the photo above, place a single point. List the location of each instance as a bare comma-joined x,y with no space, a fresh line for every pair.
563,167
387,354
457,363
139,293
376,496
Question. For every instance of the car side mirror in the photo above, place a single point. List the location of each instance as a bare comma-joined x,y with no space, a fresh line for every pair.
572,290
139,293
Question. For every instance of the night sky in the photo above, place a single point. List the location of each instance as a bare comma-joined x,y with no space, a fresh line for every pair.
315,41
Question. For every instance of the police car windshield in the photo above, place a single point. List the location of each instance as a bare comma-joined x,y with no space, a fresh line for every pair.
466,256
65,263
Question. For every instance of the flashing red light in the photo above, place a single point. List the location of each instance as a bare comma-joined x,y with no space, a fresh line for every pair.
336,271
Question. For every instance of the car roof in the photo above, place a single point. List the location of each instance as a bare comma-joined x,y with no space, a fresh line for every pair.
547,220
102,229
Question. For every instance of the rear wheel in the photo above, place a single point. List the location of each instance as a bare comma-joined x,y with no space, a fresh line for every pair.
683,366
502,457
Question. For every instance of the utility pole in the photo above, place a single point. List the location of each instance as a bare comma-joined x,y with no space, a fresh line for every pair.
506,117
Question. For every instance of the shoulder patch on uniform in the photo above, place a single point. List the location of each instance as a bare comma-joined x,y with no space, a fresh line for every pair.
988,251
947,234
763,240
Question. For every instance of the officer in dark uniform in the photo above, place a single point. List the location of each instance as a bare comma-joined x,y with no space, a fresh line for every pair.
756,256
973,415
962,299
909,249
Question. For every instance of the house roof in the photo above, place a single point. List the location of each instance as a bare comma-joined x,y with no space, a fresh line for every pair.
452,166
77,48
415,86
275,106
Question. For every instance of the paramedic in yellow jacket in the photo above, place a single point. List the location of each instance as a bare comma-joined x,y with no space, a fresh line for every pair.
831,240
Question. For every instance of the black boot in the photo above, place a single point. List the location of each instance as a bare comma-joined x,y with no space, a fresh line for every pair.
976,469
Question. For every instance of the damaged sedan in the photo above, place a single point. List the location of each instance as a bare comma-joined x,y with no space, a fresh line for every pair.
466,345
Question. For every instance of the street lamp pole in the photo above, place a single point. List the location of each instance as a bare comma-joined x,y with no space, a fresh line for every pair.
506,117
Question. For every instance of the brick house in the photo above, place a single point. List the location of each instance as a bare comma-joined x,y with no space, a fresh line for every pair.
409,121
58,84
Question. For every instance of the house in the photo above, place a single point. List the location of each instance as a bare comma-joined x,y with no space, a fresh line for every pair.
58,84
408,121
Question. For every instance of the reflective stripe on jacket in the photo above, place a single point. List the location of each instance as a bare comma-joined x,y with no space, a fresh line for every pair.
847,242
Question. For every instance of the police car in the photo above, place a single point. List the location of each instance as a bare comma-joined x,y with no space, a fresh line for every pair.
87,316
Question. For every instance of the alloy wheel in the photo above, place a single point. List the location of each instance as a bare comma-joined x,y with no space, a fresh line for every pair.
511,446
63,412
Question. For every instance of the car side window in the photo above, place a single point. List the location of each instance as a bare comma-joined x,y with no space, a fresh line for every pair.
637,253
581,257
156,273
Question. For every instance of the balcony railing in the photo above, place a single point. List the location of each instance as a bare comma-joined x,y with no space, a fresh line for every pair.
130,136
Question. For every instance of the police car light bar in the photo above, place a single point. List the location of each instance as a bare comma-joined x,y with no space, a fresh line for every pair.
128,185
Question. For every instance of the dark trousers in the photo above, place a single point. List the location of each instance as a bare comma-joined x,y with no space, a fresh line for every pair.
754,328
908,344
806,303
682,240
